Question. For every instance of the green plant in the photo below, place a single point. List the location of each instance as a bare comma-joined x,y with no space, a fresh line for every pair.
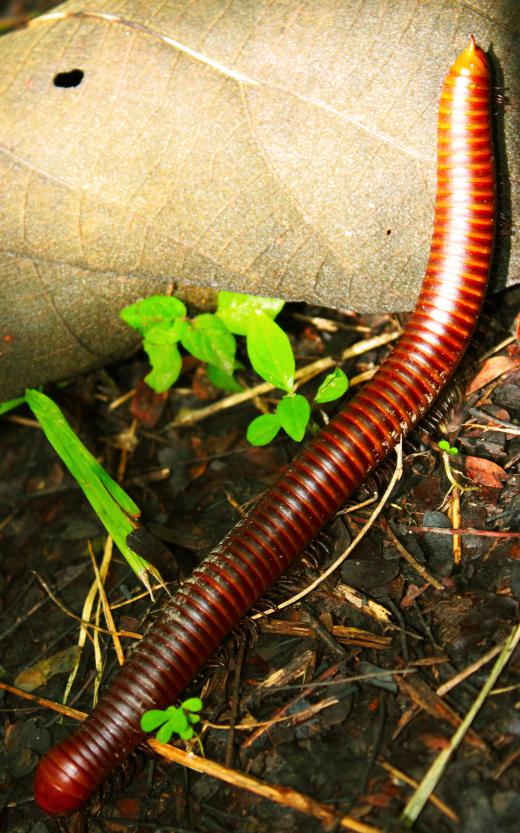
175,720
9,404
113,506
446,447
163,324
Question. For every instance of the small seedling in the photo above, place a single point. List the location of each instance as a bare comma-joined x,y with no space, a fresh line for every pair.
163,323
293,411
447,448
447,452
271,355
175,720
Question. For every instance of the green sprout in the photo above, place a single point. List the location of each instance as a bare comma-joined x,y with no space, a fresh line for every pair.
449,449
175,720
163,323
447,452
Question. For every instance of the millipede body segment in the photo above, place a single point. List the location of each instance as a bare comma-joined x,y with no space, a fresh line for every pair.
265,543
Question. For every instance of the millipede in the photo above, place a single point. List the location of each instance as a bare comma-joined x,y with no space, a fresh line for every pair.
264,543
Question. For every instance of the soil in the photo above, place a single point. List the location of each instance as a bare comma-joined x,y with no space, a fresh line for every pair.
358,694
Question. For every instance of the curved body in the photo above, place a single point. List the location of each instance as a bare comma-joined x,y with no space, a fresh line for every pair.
265,543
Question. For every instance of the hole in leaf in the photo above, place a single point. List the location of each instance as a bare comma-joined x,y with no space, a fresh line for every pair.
69,79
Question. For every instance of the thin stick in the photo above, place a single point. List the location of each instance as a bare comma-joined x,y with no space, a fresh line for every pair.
467,672
303,374
285,796
72,576
299,717
284,711
510,427
333,567
398,774
43,701
454,515
495,428
468,530
432,777
408,557
497,348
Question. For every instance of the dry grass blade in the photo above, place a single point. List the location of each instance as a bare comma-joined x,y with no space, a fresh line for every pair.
84,622
106,607
434,774
399,775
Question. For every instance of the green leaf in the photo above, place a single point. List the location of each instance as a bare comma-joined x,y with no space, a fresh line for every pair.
151,311
153,718
333,386
178,720
293,412
449,449
192,704
222,380
165,732
110,502
169,332
263,429
187,734
10,404
166,364
236,309
270,352
209,340
193,718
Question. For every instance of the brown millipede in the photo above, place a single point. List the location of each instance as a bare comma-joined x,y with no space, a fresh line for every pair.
252,556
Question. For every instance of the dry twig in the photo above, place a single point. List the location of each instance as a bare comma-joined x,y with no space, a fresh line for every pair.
304,374
285,796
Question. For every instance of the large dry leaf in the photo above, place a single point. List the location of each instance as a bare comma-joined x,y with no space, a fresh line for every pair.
283,149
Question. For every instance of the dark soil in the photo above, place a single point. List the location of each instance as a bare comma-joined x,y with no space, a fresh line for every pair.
191,483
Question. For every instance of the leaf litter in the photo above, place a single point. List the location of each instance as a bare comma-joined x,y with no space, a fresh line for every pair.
358,724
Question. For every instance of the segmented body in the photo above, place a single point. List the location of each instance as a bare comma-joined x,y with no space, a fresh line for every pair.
265,543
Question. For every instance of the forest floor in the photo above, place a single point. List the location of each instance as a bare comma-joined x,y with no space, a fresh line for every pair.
346,697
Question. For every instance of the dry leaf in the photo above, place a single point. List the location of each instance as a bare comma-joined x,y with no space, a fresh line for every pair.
282,149
484,472
38,674
491,369
147,405
412,594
